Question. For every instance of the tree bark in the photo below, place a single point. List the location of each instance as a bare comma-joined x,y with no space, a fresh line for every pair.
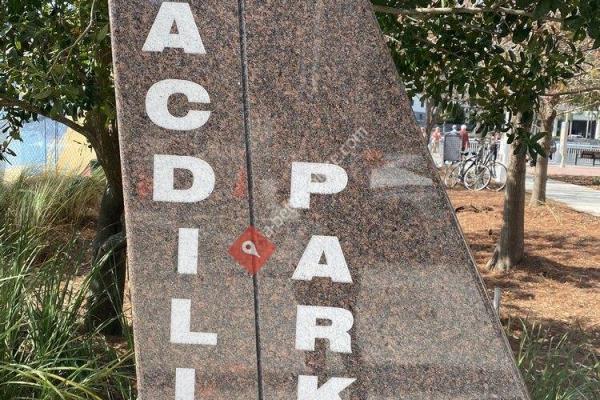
548,115
105,305
109,247
432,114
511,246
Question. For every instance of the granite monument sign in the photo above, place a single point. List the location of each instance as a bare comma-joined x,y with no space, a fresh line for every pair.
288,236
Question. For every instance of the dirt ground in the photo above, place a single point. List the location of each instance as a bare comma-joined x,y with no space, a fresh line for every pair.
558,282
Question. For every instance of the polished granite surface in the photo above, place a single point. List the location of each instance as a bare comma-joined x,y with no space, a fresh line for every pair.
302,83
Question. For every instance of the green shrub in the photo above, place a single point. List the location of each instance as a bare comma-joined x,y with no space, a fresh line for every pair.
48,201
555,368
44,351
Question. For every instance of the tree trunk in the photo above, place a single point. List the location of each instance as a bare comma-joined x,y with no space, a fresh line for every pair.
432,114
547,115
109,247
108,282
538,194
511,246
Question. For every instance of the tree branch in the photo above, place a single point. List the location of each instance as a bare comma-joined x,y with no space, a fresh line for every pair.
430,12
575,91
79,38
8,102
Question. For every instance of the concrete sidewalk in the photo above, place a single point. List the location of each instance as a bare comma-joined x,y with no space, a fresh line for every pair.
579,198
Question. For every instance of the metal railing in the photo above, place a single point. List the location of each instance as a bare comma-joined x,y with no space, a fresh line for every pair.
574,151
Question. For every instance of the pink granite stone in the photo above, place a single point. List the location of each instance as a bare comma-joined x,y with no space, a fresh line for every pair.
313,82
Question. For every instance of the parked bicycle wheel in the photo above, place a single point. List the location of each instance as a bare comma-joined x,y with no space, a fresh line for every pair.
452,175
477,177
499,176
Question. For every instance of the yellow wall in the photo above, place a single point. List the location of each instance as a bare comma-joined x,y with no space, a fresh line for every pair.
76,154
74,158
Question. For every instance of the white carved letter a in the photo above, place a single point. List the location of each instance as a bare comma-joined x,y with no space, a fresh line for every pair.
187,36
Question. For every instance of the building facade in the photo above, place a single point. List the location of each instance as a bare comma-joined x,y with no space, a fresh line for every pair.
581,125
47,145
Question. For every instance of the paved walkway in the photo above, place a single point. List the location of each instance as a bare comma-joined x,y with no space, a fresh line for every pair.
579,198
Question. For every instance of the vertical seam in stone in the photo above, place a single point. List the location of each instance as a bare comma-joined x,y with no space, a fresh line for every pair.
248,143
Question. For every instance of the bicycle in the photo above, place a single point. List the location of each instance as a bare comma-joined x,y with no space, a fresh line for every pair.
470,171
498,170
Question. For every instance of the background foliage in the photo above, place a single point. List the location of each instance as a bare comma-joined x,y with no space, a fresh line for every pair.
496,61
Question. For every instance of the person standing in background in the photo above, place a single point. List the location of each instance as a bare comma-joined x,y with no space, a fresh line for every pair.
495,141
436,137
464,135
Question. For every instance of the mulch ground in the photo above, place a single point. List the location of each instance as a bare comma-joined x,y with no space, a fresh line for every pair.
592,182
558,282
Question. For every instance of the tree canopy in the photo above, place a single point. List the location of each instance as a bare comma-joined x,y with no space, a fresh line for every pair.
55,61
583,91
499,56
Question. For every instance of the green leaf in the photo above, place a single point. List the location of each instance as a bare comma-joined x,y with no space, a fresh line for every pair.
521,34
538,149
102,33
523,103
16,134
538,136
58,69
574,21
44,94
542,9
